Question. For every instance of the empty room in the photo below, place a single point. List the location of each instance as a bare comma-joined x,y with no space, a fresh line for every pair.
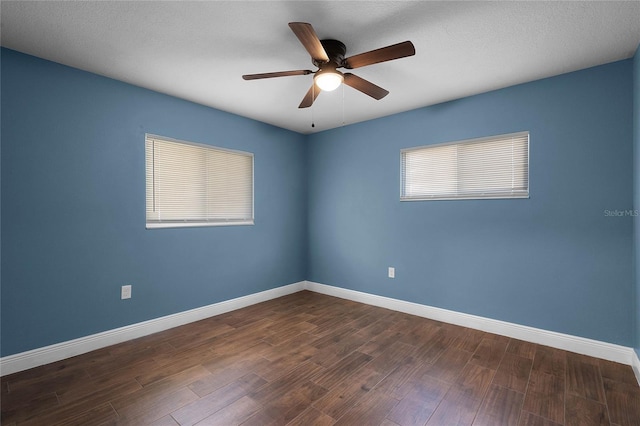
320,213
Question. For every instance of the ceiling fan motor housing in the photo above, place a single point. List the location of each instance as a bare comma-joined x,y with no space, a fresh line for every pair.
335,51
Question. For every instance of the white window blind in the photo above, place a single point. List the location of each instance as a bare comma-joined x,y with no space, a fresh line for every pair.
493,167
197,185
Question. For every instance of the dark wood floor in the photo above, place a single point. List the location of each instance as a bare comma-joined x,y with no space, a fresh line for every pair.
310,359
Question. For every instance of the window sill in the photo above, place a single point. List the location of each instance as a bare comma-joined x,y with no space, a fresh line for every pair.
160,225
466,197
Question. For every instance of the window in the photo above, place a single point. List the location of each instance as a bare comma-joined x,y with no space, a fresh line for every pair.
493,167
197,185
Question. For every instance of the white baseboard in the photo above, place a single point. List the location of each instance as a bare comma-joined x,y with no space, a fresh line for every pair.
635,364
59,351
581,345
36,357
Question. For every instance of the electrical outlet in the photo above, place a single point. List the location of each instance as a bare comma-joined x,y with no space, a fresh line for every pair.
125,292
392,272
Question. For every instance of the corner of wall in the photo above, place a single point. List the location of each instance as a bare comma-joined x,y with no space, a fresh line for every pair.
307,254
636,205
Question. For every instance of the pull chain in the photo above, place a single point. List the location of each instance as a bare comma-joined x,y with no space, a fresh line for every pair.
313,96
342,104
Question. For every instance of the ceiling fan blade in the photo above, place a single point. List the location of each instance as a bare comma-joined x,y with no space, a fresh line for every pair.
395,51
309,40
310,97
366,87
276,74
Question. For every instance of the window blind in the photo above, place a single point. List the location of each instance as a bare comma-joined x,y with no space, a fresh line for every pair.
197,185
494,167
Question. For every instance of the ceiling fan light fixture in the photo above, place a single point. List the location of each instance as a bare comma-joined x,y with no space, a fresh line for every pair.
328,80
328,55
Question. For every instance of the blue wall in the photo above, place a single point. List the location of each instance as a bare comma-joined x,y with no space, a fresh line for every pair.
554,261
327,208
636,192
73,207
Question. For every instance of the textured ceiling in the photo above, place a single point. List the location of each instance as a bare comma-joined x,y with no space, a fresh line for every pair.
199,50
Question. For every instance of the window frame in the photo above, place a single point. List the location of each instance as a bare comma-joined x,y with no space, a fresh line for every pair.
470,196
185,223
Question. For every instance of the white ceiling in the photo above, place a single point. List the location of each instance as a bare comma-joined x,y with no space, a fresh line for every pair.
199,50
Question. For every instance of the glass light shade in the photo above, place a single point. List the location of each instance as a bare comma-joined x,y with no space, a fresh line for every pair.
328,81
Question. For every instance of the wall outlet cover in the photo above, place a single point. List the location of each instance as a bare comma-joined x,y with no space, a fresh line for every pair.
125,292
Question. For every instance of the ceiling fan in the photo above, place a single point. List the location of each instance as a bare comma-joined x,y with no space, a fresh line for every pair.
328,55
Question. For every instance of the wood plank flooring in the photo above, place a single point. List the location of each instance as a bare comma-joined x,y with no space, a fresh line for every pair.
309,359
